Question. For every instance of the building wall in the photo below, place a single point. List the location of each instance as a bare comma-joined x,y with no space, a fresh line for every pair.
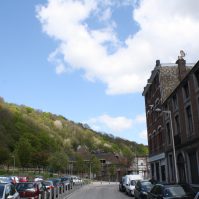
162,82
140,166
170,89
186,133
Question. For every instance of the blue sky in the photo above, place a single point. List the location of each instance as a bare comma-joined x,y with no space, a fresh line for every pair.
89,60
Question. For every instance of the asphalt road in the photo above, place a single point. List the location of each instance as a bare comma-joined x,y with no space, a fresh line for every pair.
99,191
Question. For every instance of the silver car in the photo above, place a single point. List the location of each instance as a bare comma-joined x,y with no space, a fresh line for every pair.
8,191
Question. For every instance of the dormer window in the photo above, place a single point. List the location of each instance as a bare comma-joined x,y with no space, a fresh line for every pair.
175,102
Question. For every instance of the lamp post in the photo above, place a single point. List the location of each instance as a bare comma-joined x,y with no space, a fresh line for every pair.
173,143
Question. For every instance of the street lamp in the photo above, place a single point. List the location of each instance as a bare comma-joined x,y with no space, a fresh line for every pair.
173,143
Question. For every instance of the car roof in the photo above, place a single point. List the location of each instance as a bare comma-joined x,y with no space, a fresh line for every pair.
168,185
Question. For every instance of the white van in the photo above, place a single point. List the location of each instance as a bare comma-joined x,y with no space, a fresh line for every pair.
130,181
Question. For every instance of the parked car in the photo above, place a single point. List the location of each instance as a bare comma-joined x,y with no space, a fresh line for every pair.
6,179
129,183
34,190
15,179
50,187
121,185
66,182
142,188
57,185
23,179
170,191
130,187
188,189
70,179
8,191
38,178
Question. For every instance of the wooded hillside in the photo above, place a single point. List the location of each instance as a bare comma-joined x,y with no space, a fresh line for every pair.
35,137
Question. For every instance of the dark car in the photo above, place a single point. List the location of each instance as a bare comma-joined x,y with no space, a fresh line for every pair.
51,188
121,185
8,191
66,182
169,191
188,189
34,190
57,185
142,188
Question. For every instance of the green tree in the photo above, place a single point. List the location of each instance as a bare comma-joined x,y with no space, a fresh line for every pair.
40,159
58,161
95,165
24,151
80,165
112,171
4,155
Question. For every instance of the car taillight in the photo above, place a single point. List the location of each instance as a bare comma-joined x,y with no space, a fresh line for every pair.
50,187
30,193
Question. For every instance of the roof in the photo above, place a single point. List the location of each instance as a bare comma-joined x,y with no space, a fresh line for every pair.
168,76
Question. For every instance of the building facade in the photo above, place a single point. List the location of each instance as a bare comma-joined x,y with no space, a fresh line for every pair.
164,80
140,166
184,106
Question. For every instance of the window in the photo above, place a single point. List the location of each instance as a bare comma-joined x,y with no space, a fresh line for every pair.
189,119
171,168
152,169
197,77
168,133
157,171
186,90
193,165
177,124
175,102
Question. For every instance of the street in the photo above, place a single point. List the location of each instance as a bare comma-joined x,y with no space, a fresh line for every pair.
99,191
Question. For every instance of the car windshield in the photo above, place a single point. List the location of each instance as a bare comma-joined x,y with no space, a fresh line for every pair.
47,183
24,186
133,182
55,182
147,186
1,191
174,191
5,179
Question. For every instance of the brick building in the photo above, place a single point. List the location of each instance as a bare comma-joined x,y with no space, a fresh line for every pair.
183,103
165,78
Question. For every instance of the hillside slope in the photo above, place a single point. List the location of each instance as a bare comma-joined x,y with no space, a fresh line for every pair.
33,136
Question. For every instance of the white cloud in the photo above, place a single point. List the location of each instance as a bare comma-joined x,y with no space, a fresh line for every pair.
117,124
140,119
113,124
165,28
143,134
60,69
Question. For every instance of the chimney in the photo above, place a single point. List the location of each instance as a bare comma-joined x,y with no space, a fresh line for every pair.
157,63
182,71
